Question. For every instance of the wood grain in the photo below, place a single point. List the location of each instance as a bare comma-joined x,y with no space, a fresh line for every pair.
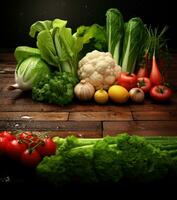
100,116
141,127
34,116
50,125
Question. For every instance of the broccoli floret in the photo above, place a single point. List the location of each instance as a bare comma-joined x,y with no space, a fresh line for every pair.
56,88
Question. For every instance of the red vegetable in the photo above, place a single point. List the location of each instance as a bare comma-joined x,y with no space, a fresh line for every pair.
144,83
30,158
127,80
47,148
156,77
3,143
15,148
161,93
143,70
7,135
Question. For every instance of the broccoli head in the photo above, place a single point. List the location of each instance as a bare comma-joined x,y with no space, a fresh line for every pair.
56,88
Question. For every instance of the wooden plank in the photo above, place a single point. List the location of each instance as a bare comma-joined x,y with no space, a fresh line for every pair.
9,97
7,68
150,105
52,126
155,115
79,134
6,75
141,127
100,116
34,116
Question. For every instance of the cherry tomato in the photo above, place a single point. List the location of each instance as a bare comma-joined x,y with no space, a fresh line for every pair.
3,143
144,83
161,93
23,135
47,148
15,148
127,80
27,138
30,158
7,135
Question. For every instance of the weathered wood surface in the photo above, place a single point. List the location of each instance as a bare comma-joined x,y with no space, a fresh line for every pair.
19,112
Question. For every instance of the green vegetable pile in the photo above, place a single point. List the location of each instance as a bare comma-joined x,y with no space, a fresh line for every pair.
56,88
110,160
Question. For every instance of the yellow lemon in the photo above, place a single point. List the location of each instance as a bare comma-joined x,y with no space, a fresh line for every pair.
118,94
101,96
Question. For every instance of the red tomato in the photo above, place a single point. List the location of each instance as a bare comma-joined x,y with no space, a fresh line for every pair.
47,148
14,149
3,143
7,135
127,80
30,159
144,83
23,135
160,93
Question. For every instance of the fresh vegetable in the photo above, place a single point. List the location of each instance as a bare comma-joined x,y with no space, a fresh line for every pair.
118,94
144,83
158,43
15,148
47,147
156,77
5,138
161,93
57,88
143,68
3,143
98,68
28,72
30,158
84,90
108,159
26,148
7,134
127,80
136,95
115,33
135,35
93,38
46,25
101,96
23,52
59,48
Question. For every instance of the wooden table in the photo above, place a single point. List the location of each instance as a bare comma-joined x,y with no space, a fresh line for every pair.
19,112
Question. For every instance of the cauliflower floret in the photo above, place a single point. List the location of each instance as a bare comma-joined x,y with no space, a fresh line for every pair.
99,68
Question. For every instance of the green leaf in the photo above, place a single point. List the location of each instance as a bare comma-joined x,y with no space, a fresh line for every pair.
132,44
59,23
115,32
40,26
47,48
23,52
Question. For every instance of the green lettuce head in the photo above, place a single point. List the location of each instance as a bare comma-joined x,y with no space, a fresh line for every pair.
29,71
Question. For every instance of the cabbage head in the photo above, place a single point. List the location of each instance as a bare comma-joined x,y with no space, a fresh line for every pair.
29,71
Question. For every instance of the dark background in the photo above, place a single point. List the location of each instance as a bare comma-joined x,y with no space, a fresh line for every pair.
18,15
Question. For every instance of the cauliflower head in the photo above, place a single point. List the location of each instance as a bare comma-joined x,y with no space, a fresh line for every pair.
98,68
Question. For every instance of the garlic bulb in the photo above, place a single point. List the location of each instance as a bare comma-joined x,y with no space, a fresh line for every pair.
84,90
